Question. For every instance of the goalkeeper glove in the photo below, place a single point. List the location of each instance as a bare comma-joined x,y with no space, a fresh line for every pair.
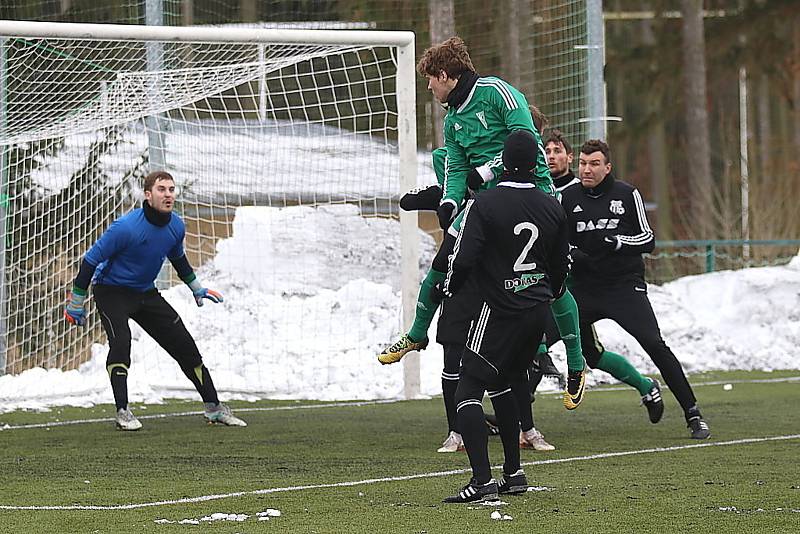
204,293
201,293
75,308
445,213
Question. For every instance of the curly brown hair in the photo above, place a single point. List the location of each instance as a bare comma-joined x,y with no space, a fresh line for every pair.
450,57
540,120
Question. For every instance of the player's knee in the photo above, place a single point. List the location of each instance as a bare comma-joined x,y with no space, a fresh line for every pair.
190,361
118,358
119,349
469,390
452,358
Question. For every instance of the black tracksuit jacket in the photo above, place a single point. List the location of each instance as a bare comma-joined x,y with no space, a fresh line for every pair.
610,232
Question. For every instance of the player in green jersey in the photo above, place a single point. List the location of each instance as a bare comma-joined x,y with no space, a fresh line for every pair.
481,112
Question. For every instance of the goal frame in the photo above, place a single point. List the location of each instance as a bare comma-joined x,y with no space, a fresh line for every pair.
404,41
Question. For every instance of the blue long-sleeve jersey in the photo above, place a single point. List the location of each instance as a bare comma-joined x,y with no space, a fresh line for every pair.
132,250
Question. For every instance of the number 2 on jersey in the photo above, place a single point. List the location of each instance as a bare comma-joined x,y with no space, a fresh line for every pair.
520,264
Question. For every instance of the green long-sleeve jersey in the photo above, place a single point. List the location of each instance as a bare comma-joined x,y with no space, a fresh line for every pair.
476,130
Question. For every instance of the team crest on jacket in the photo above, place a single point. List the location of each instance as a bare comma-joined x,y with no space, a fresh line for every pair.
482,117
616,207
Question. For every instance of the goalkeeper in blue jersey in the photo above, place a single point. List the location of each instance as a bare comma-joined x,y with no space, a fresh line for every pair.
122,267
481,112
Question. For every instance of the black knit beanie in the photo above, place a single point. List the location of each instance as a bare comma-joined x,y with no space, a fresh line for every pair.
519,152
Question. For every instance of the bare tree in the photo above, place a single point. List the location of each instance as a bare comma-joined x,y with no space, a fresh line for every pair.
696,127
248,10
657,144
796,77
510,30
764,143
187,12
441,14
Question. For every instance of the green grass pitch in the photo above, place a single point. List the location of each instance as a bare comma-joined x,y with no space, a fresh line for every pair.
329,468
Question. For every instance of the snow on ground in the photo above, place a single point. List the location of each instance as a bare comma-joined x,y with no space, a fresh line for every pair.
312,295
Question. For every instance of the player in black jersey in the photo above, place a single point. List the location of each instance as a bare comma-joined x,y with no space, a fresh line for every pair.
454,318
513,245
559,158
610,232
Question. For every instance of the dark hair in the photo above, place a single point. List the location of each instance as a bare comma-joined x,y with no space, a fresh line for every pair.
151,179
450,57
557,137
539,118
596,145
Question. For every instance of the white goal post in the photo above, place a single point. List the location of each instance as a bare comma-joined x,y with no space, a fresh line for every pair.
299,140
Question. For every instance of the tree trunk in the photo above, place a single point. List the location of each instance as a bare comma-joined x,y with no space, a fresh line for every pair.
441,14
657,148
796,72
187,13
696,121
248,10
764,145
510,29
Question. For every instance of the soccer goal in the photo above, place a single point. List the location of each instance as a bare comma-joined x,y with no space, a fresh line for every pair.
289,148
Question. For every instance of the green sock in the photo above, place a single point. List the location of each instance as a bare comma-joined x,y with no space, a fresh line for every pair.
423,316
565,312
621,369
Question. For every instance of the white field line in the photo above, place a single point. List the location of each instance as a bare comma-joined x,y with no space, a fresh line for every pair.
183,414
205,498
358,403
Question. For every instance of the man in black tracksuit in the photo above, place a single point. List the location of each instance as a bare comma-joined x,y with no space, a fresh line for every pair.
609,232
513,246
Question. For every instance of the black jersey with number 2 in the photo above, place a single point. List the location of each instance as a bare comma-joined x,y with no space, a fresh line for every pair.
514,240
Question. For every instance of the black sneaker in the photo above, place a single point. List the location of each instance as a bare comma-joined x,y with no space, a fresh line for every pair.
543,363
491,424
653,402
576,386
698,428
513,484
422,198
474,492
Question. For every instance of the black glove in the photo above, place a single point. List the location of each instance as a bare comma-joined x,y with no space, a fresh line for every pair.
611,242
422,198
445,214
474,180
437,294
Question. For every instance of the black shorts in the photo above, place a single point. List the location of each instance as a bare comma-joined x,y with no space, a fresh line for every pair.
456,314
499,345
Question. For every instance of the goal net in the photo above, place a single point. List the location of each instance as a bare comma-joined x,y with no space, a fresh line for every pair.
289,149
